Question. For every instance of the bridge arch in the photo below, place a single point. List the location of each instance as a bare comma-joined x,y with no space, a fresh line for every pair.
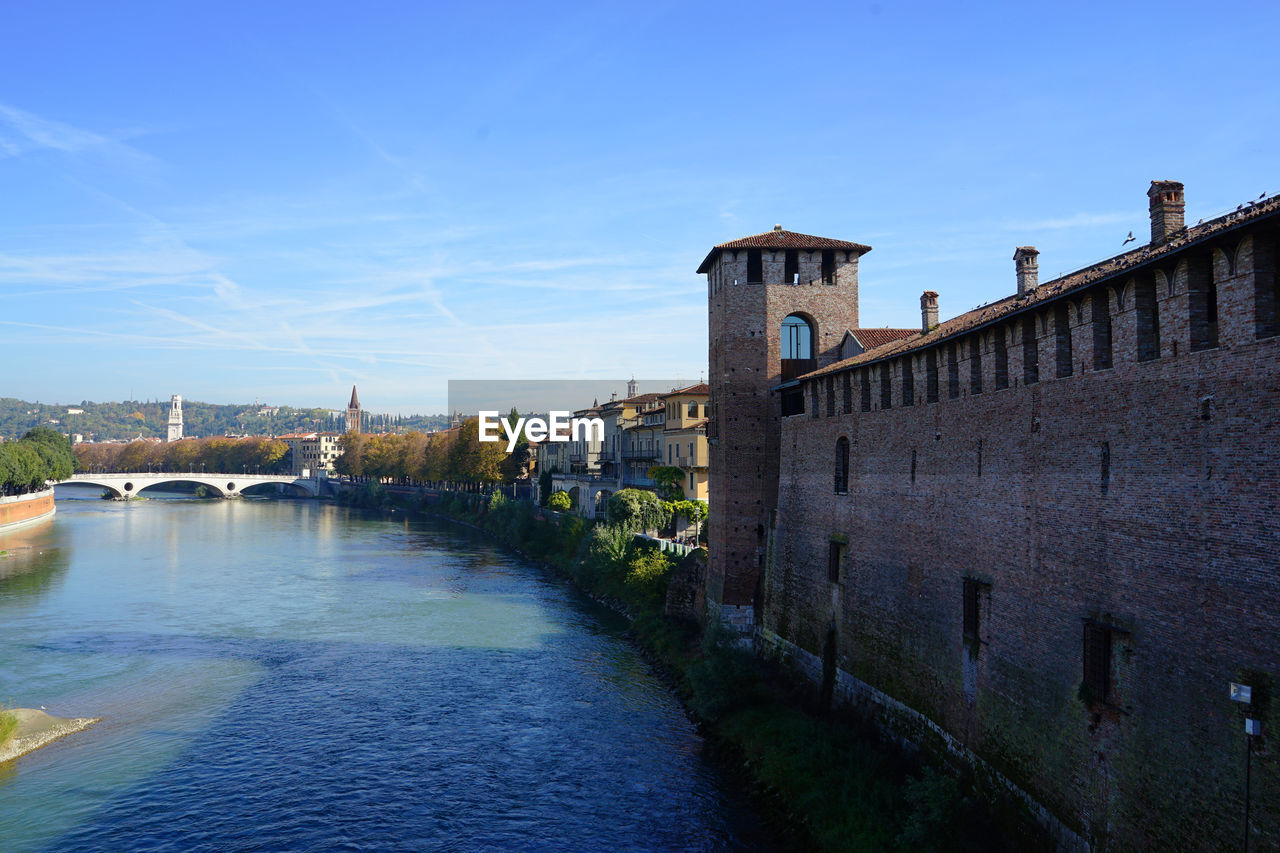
220,485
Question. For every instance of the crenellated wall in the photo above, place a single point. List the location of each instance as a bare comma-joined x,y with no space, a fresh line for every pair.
1112,526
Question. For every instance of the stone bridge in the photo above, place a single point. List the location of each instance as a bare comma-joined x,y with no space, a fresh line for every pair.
222,485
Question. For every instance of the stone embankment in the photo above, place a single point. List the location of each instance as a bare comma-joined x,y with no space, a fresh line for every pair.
25,509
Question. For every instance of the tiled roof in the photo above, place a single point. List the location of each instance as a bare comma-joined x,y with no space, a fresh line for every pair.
779,239
700,388
871,338
1116,267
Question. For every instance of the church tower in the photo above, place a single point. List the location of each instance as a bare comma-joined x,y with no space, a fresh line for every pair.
353,412
175,418
779,304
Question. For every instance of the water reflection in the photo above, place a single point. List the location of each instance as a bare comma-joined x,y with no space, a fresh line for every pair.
30,560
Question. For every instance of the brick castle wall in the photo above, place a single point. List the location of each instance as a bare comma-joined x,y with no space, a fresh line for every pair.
1143,497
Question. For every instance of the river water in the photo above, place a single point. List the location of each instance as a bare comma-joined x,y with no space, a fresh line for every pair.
290,675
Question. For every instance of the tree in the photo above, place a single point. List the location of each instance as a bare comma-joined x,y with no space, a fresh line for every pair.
54,449
560,502
351,462
544,485
637,509
474,461
670,480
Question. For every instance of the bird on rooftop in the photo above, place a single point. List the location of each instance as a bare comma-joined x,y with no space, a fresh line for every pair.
1264,195
1129,239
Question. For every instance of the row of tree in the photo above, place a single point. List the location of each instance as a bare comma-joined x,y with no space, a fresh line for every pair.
190,455
454,455
39,456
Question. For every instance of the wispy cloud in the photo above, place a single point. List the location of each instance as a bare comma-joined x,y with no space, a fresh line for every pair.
28,132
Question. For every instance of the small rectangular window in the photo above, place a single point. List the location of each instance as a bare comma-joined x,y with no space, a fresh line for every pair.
866,390
886,386
831,396
1096,688
972,588
931,375
908,383
835,559
848,392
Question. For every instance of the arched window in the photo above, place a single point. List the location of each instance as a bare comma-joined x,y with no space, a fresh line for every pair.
842,466
797,347
797,338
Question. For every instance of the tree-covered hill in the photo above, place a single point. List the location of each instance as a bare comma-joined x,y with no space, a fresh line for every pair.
150,419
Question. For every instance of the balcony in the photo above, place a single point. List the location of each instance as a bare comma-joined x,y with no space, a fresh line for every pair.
633,453
695,461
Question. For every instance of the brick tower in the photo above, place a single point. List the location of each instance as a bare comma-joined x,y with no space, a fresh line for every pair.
353,412
779,305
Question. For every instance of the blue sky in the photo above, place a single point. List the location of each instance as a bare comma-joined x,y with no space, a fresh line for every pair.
277,200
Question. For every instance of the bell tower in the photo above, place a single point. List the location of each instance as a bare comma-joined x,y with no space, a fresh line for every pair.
353,412
779,304
175,418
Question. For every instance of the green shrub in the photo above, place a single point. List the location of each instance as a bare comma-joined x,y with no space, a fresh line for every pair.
648,571
8,723
637,509
560,502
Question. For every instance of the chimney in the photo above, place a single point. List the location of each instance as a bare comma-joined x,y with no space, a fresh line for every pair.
928,311
1168,209
1026,260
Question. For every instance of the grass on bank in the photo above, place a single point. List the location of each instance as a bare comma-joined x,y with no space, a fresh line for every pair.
833,778
8,724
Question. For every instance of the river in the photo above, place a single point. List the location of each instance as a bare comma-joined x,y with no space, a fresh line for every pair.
292,675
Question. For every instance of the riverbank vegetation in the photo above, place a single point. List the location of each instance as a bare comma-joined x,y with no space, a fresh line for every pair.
8,724
833,776
28,463
214,455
